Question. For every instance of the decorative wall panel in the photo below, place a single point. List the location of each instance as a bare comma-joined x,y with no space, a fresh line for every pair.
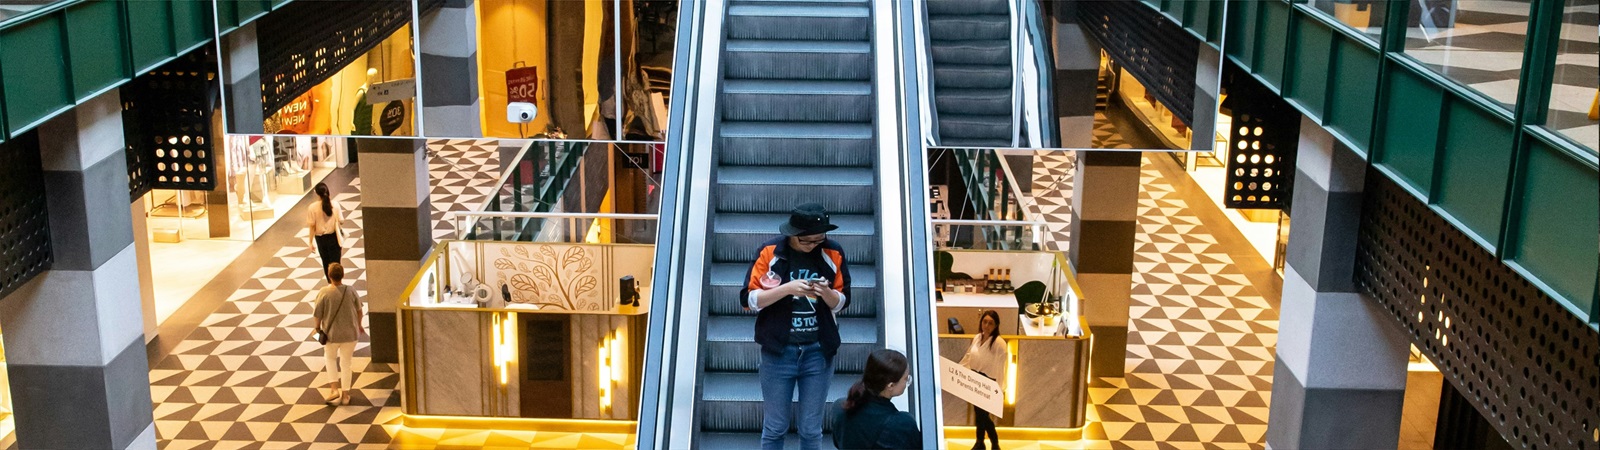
304,43
24,221
1261,145
1526,363
166,118
1159,53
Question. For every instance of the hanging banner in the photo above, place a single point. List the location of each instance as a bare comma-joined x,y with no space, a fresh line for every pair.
389,91
522,85
968,385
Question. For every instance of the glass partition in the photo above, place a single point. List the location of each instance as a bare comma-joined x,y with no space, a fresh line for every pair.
563,59
1365,17
11,9
1574,109
1477,43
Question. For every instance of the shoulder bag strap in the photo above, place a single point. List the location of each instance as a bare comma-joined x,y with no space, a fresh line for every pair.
337,310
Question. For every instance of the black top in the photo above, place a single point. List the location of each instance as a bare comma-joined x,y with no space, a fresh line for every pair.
775,264
803,325
875,425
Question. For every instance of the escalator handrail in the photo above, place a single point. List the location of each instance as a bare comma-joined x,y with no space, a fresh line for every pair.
663,420
902,21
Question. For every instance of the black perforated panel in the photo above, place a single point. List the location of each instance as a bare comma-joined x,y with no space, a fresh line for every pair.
24,221
1525,362
1261,145
166,120
1159,53
307,42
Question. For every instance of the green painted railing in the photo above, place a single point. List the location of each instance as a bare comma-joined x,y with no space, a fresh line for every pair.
1528,195
55,57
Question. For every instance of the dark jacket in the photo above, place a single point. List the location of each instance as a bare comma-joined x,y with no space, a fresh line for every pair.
772,324
875,425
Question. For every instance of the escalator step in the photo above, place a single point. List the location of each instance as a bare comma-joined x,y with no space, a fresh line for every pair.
795,144
800,22
736,236
777,189
728,278
797,100
794,59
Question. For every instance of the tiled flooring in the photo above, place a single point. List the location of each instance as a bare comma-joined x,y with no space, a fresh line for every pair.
247,377
1201,338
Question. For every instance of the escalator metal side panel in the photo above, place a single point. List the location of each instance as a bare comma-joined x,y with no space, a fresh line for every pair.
671,369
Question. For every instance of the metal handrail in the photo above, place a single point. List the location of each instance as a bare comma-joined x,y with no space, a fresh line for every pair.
921,51
671,356
462,219
1016,72
910,186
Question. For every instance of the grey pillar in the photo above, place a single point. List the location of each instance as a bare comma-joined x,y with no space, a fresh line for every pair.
241,63
1207,78
1076,77
450,71
75,334
1340,377
397,231
1105,209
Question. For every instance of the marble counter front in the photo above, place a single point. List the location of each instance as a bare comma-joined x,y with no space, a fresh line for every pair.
1047,383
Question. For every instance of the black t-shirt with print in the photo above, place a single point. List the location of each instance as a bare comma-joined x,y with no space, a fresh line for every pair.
803,324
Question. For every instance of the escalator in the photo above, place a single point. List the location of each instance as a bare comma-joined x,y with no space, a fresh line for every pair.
796,127
970,43
778,103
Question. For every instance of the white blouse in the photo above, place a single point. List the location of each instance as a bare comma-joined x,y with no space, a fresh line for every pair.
989,359
320,223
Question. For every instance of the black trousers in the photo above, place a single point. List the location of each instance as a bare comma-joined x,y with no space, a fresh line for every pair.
984,424
328,249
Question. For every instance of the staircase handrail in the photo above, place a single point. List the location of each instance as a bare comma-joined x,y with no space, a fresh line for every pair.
1017,107
903,169
922,50
671,355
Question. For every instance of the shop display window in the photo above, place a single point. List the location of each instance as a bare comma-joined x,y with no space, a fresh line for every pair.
265,177
1574,109
1365,17
1168,128
1477,43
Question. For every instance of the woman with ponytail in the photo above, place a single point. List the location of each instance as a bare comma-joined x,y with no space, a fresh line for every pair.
322,225
867,419
987,356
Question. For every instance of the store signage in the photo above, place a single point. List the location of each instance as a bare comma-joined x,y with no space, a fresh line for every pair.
295,118
389,91
968,385
394,115
522,85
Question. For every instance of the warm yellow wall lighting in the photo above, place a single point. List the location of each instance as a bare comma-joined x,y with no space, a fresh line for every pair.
504,328
611,366
1011,372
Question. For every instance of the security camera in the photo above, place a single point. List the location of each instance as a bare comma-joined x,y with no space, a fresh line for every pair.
521,112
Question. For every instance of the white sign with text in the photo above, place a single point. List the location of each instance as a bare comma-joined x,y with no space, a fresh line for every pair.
389,91
972,387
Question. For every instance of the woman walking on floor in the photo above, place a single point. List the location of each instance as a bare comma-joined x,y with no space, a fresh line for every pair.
338,317
322,225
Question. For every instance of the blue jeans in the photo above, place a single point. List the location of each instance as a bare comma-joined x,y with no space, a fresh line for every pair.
807,367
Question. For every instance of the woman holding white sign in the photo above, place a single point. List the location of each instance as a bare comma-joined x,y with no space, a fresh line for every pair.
987,356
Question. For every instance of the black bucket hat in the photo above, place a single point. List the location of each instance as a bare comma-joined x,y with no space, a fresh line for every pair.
807,219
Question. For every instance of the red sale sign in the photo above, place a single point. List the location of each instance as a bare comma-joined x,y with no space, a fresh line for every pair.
522,85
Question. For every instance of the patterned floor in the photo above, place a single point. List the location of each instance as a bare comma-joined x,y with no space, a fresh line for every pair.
1200,344
245,378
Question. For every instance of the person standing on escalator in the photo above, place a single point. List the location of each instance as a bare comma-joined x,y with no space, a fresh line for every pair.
798,283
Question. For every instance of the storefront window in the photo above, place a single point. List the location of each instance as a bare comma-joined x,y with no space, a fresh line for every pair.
1574,100
1167,127
1477,43
1363,16
375,95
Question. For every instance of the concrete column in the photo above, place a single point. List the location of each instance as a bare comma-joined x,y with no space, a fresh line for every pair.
449,43
75,334
397,231
1076,77
1340,377
241,64
1105,208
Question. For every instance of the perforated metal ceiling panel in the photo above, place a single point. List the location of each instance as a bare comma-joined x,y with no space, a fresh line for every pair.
1527,364
1159,53
24,221
1261,145
166,118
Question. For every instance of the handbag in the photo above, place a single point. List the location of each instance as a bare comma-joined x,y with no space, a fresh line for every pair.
320,334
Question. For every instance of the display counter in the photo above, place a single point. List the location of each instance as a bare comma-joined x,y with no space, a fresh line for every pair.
1047,375
493,333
